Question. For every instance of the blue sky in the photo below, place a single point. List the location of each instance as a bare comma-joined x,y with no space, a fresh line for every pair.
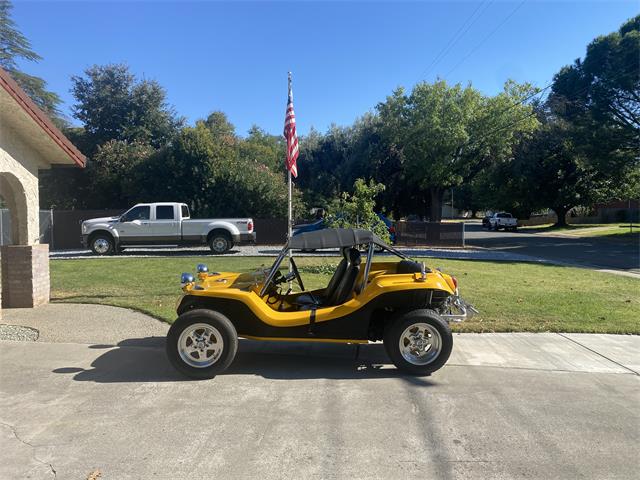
345,56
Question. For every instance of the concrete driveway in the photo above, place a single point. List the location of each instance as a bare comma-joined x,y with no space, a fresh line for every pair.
505,406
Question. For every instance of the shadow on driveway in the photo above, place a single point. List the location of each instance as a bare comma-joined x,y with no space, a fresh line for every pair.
145,360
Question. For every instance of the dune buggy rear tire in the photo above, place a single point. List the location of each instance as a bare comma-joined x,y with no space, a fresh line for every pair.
202,343
419,342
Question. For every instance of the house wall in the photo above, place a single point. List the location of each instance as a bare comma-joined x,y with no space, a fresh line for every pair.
24,265
19,185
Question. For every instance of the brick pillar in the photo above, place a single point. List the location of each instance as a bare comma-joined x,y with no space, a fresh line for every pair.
25,275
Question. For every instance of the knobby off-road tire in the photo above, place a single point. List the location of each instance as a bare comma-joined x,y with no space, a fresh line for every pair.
202,343
220,243
419,328
102,244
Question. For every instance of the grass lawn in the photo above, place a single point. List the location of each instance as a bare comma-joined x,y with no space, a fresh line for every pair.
617,231
510,296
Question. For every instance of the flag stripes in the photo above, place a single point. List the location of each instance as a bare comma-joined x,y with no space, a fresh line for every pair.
291,135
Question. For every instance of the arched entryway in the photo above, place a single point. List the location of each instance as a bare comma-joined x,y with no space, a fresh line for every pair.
14,198
24,264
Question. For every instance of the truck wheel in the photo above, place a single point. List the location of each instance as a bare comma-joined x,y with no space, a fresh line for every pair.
419,342
102,244
220,243
202,343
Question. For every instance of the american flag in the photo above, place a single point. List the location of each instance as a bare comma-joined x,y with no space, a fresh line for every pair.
291,135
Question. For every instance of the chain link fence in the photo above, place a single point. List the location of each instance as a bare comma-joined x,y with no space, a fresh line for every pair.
46,227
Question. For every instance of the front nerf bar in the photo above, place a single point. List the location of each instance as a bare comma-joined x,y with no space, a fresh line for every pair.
457,310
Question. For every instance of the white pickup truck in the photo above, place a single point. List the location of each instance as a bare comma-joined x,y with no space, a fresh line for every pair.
164,224
503,220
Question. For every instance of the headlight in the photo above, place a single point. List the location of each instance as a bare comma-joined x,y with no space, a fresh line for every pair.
84,227
186,278
202,268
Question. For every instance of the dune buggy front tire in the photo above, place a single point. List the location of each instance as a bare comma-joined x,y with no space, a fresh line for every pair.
419,342
202,343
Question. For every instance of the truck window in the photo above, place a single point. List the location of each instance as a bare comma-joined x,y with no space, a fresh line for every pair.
185,211
137,213
164,212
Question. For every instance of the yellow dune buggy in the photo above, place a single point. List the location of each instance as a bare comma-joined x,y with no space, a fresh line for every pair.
401,302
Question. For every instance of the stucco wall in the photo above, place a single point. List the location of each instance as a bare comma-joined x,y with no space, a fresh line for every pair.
20,178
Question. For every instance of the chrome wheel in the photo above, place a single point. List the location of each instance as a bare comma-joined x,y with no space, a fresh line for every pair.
200,345
101,245
420,344
219,245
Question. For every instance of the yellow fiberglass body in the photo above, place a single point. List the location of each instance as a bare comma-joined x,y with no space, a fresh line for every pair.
363,301
246,288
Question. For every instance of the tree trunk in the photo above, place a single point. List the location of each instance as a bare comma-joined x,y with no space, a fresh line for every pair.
435,207
561,212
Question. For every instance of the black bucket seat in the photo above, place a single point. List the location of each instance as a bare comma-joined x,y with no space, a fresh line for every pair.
348,281
340,286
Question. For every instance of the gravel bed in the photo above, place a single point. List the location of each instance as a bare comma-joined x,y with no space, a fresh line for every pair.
273,250
17,333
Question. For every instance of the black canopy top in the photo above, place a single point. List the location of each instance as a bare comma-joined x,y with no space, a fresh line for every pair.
334,238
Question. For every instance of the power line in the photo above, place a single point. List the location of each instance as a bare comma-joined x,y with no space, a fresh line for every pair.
521,102
482,42
462,30
577,92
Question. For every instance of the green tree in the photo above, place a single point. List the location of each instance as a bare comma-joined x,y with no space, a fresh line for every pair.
321,158
182,171
14,46
552,172
113,105
111,173
600,97
548,169
448,134
357,210
220,127
605,86
261,148
201,170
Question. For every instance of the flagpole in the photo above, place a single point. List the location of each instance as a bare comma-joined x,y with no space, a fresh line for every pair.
290,219
290,222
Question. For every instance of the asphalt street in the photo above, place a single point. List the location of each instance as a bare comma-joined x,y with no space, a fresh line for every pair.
506,406
591,252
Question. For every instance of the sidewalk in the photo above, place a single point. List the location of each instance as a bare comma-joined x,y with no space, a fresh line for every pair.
505,406
109,326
